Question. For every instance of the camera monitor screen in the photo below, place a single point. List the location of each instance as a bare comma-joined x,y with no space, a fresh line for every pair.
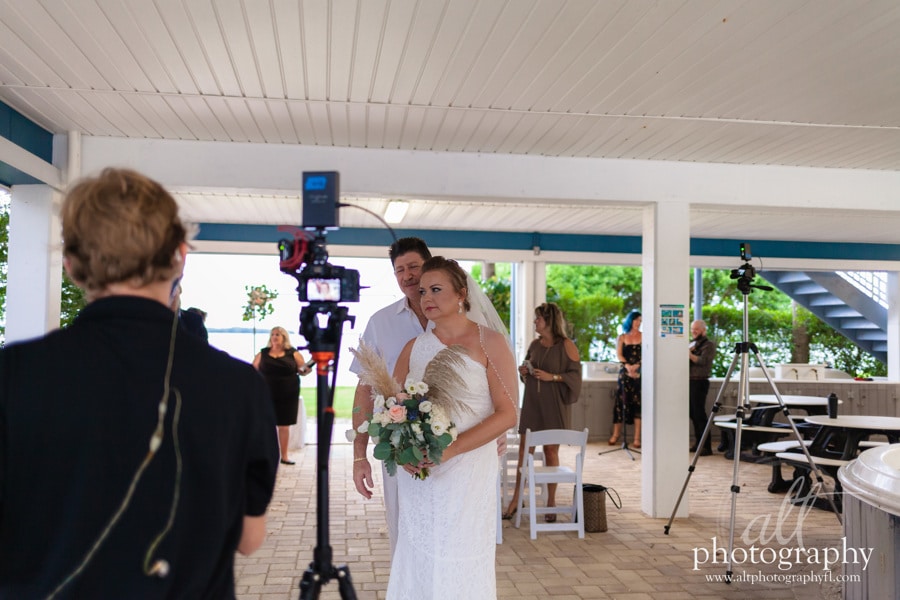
323,290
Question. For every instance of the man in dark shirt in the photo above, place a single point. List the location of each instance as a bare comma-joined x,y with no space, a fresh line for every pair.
702,352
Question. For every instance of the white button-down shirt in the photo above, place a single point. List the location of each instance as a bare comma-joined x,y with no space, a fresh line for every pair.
388,331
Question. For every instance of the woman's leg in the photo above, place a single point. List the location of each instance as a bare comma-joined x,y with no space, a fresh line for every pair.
551,459
616,434
284,434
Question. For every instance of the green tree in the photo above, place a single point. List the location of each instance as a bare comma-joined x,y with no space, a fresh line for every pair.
72,301
595,300
497,288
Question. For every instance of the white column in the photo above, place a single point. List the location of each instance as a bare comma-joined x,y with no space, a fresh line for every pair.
664,389
34,278
529,285
893,326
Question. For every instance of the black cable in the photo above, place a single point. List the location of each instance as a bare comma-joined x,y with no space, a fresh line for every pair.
373,213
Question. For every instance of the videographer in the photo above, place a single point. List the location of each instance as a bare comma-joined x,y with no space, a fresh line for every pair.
702,350
135,458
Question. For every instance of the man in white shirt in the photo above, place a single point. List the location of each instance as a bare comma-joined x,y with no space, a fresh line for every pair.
388,331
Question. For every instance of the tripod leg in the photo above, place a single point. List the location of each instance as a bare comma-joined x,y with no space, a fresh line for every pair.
311,584
628,451
709,423
345,584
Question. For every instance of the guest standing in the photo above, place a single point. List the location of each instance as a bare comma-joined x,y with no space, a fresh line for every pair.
627,407
552,383
279,364
702,350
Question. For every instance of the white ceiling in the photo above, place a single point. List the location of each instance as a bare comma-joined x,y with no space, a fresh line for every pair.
761,82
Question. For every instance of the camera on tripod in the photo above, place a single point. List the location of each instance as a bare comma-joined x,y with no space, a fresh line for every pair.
319,280
746,270
307,260
745,273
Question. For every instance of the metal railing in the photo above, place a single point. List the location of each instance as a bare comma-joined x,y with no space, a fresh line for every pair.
871,283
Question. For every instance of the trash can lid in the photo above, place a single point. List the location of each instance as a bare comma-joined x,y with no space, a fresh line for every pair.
874,477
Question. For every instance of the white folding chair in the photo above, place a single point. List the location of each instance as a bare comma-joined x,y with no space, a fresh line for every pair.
508,465
534,476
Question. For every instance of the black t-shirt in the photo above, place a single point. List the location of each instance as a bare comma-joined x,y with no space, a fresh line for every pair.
77,412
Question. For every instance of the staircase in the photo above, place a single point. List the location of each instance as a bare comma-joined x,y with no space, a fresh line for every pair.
852,312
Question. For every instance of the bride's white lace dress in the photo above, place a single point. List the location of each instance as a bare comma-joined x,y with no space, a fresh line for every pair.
447,529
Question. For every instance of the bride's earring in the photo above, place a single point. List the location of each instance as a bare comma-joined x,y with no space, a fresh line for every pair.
460,311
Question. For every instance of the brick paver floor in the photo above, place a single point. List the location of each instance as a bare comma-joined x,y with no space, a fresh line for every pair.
633,560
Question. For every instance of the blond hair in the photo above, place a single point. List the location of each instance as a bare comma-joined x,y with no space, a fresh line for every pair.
284,335
120,227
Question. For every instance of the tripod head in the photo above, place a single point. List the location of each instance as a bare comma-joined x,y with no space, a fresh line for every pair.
745,273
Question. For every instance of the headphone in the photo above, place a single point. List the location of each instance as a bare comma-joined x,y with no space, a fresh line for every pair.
159,567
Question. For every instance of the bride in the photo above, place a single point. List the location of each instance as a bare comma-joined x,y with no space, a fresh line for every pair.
446,539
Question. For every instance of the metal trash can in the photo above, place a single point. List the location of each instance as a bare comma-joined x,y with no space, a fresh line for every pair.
872,520
595,506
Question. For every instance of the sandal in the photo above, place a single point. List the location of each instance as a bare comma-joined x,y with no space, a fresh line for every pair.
508,516
550,518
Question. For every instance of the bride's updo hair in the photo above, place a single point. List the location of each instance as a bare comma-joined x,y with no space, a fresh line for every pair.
454,271
120,227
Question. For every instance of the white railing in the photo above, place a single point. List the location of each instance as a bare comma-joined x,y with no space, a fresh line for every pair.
872,283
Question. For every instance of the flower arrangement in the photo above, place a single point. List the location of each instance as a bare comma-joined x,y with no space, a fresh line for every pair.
259,304
411,423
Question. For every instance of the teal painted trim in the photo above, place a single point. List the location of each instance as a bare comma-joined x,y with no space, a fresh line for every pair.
508,240
29,136
787,249
490,240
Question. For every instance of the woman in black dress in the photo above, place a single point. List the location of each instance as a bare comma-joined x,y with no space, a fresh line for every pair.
279,364
628,349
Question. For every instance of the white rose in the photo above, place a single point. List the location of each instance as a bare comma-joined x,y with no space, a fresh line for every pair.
453,433
425,406
363,428
422,388
439,428
390,402
410,386
351,434
379,402
438,413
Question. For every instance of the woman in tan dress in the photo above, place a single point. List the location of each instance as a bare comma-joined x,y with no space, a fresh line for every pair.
552,375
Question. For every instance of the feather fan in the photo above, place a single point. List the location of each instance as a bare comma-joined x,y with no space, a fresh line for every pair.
443,377
374,371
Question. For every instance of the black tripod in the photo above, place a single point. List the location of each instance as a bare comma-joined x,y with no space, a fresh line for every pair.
620,398
741,351
324,343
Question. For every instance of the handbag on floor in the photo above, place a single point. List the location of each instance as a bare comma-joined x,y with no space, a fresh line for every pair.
595,506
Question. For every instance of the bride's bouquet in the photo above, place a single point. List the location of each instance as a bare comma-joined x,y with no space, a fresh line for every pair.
411,423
